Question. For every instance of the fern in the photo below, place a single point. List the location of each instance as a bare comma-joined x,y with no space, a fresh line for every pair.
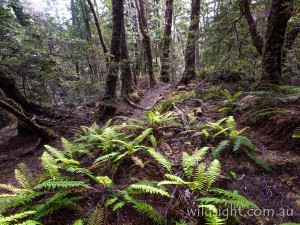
62,184
241,140
14,218
162,160
18,200
217,151
189,161
30,222
96,216
212,173
149,189
144,207
80,222
227,198
57,201
296,133
49,163
211,215
24,176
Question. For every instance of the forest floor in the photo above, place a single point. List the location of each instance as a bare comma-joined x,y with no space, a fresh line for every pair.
276,189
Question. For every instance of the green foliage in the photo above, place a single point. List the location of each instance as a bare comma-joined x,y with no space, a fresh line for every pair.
226,198
130,194
296,133
14,218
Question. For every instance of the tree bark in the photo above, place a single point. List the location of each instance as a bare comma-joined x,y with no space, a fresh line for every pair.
101,40
108,108
281,12
146,40
270,48
289,41
190,53
128,89
256,37
10,106
165,60
9,87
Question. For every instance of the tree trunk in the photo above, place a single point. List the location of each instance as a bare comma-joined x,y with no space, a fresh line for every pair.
190,53
256,37
270,48
289,41
128,89
165,61
101,40
10,106
281,12
8,85
108,108
146,40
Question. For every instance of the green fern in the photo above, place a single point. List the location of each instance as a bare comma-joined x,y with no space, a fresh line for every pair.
189,161
14,218
57,201
217,151
149,190
227,198
162,160
211,215
80,222
296,133
146,208
61,184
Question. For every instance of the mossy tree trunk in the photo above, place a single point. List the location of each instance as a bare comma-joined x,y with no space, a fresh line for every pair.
165,60
281,12
12,107
190,52
146,40
128,89
9,87
270,48
108,108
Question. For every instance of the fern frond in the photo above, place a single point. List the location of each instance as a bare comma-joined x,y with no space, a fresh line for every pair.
60,155
234,199
216,151
142,136
17,200
53,184
146,208
161,159
30,222
105,157
189,161
80,170
14,218
79,222
96,216
149,190
296,133
242,140
213,173
199,178
13,189
24,176
56,202
119,205
50,165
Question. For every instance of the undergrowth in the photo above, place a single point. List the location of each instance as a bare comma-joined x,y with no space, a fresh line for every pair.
89,165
